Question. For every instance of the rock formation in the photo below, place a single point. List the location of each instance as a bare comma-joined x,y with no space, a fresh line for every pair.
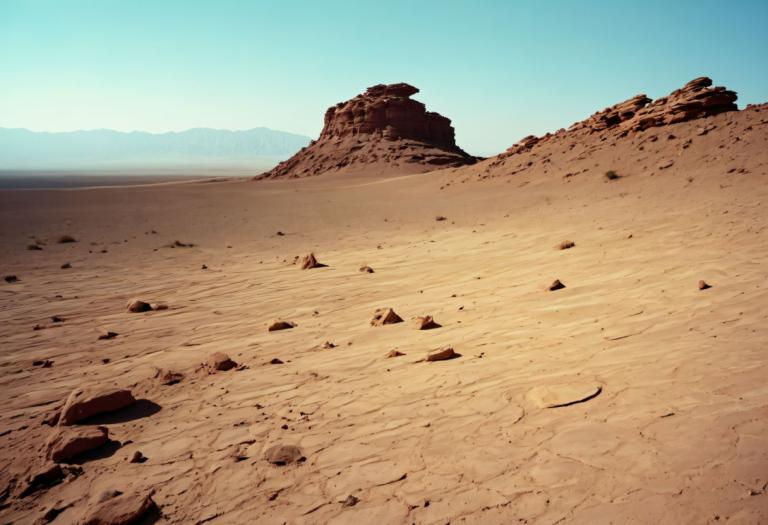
695,100
382,130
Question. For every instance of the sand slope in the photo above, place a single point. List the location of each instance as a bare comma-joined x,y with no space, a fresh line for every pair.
673,379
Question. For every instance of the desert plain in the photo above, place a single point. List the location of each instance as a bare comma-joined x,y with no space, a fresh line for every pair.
634,394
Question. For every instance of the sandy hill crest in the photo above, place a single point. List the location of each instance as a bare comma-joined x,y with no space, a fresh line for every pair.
380,130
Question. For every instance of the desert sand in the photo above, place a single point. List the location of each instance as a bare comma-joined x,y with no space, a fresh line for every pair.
628,396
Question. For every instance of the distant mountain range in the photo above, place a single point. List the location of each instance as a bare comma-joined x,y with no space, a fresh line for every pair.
104,148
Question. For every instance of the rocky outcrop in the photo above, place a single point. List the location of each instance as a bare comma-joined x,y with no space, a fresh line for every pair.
383,130
695,100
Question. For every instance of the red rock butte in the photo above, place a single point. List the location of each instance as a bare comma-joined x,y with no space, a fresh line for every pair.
382,130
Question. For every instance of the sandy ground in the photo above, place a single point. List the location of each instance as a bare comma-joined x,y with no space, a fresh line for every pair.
676,434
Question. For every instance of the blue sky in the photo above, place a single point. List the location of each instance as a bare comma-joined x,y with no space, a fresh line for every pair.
499,69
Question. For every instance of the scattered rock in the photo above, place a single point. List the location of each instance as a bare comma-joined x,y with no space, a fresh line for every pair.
66,266
65,239
442,354
282,455
108,335
328,345
57,319
168,377
179,244
138,457
441,218
394,353
425,323
366,269
67,442
566,245
204,267
703,285
351,501
556,285
221,361
44,363
384,316
666,164
11,279
137,306
84,403
125,509
275,361
280,325
279,233
34,247
309,261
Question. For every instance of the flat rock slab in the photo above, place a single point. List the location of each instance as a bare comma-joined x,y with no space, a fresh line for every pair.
120,510
563,394
84,403
67,442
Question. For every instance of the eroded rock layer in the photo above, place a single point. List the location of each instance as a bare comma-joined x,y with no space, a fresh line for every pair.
382,130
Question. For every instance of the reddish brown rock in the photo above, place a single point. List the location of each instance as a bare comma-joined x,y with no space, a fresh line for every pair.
442,354
221,361
280,325
309,261
384,316
556,285
168,377
124,509
84,403
44,476
68,442
394,353
382,127
566,245
137,306
366,269
425,323
703,285
282,455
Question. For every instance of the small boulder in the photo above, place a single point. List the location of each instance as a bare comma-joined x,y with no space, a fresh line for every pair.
34,247
120,510
66,266
138,457
441,218
136,306
280,325
275,361
425,323
67,442
394,353
703,285
65,239
566,245
84,403
282,455
556,285
442,354
221,361
108,335
384,316
366,269
11,279
309,261
168,377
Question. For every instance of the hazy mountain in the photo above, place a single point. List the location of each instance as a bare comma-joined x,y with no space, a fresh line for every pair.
21,148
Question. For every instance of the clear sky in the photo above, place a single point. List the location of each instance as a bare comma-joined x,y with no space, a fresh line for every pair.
499,69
